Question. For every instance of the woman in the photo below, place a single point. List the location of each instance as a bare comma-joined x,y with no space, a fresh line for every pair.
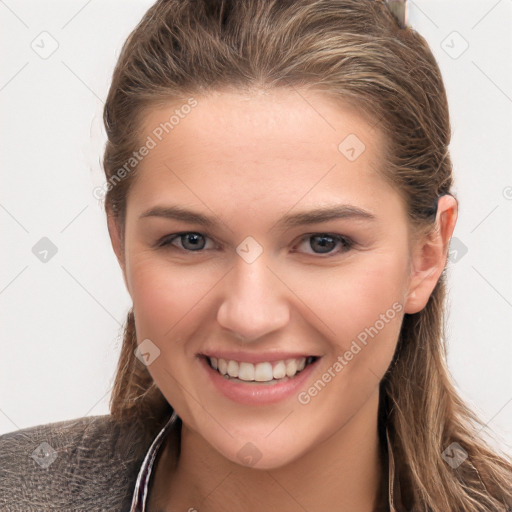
279,200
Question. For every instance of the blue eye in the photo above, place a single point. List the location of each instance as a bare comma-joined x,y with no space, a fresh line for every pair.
323,243
319,243
190,241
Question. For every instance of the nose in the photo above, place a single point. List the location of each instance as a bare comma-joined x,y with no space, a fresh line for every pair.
255,302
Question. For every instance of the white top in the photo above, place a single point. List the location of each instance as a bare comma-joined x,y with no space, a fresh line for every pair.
140,492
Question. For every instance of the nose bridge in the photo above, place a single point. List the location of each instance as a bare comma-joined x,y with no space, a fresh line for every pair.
254,303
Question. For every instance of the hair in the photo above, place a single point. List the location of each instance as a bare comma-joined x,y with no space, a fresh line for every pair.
354,51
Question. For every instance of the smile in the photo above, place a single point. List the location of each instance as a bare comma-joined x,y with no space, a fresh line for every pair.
293,375
276,371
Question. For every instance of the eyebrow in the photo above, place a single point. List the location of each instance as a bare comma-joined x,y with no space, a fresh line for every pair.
342,211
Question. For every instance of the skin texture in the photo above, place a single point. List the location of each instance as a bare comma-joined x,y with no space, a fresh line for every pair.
247,159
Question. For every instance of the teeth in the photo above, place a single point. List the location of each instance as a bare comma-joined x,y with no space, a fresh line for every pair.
223,366
246,371
261,372
279,370
291,367
233,369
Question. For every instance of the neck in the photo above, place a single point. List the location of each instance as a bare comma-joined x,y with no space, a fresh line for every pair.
346,471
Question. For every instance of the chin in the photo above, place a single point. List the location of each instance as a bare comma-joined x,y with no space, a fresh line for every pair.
267,457
260,452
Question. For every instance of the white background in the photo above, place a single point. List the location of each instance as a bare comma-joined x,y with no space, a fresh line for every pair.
61,320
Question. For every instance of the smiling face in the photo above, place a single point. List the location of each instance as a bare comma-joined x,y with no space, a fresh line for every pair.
256,284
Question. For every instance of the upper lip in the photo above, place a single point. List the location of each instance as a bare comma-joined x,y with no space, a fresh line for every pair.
254,358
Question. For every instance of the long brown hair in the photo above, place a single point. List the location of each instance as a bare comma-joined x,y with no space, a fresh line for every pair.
351,50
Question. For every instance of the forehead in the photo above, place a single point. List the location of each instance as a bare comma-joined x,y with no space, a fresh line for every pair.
259,144
282,119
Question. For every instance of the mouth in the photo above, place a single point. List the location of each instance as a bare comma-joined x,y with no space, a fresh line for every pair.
269,372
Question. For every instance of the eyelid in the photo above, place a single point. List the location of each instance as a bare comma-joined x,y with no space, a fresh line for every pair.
346,242
167,240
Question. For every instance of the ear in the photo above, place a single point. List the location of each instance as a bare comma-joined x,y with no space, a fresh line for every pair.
430,254
114,231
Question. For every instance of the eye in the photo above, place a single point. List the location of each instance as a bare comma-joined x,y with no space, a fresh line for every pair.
323,243
319,243
190,241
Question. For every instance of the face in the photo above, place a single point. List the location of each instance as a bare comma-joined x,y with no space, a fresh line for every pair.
304,253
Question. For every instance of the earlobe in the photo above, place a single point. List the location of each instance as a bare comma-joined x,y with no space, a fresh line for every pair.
430,255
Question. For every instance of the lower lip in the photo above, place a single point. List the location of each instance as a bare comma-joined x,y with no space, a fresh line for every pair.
254,393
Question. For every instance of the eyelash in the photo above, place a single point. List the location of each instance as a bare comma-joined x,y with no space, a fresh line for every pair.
347,243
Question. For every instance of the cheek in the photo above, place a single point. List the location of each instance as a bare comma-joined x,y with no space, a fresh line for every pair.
166,298
167,305
359,310
345,300
374,314
363,312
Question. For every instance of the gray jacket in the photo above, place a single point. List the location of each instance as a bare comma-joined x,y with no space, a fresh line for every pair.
86,464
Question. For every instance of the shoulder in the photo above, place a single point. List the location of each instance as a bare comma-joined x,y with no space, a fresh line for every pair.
88,463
